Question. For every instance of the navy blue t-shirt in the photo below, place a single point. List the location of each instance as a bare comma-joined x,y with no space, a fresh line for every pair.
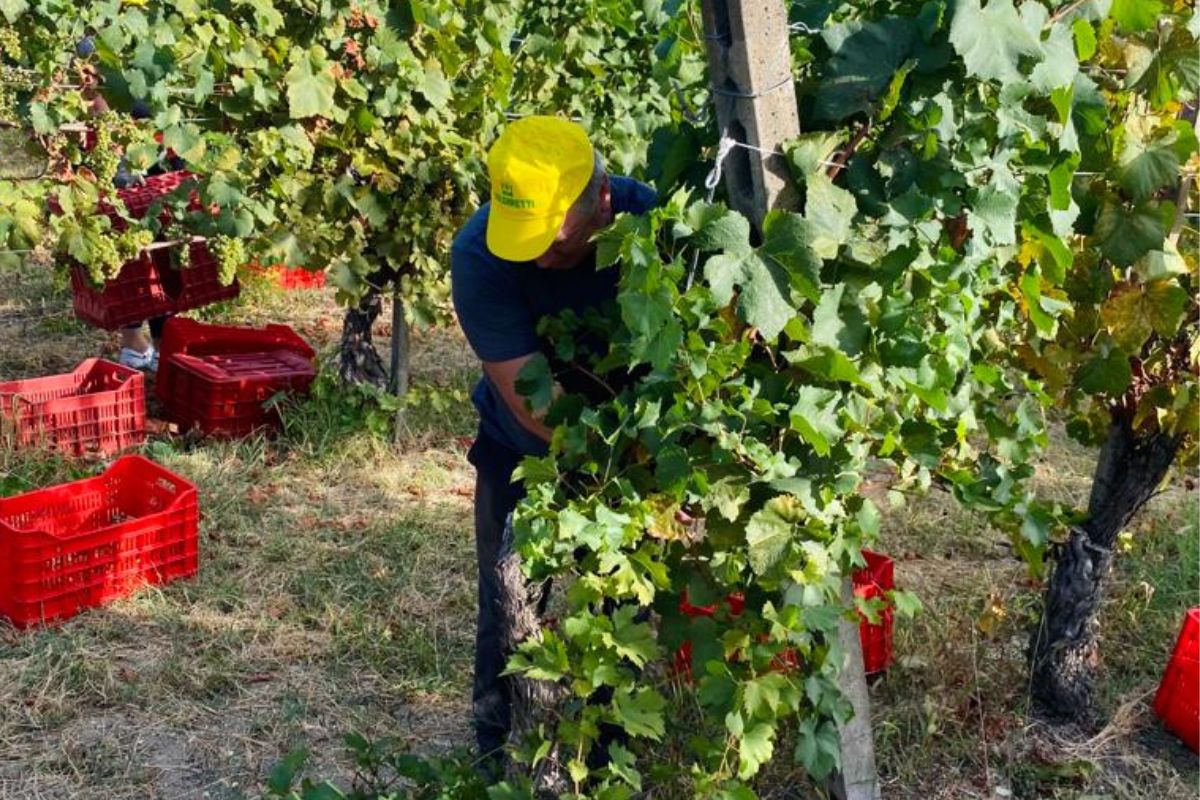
499,304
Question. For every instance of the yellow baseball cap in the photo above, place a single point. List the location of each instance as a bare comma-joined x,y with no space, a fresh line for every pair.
538,169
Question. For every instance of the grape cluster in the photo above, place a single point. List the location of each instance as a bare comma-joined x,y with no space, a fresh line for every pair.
132,241
8,104
103,158
181,255
123,129
10,43
109,253
230,253
105,261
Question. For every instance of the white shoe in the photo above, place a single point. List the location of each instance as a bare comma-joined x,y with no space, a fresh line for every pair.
147,361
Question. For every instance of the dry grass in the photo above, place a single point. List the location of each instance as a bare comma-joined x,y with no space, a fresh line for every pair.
336,594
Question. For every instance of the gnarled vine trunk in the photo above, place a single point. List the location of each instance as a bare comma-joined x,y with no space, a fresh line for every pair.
1064,648
359,361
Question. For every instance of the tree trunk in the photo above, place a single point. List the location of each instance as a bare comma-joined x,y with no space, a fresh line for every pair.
1063,647
360,361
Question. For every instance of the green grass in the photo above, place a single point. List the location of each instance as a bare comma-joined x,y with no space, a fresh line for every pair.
336,594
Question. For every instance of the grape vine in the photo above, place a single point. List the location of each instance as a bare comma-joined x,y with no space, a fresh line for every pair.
1005,233
1005,237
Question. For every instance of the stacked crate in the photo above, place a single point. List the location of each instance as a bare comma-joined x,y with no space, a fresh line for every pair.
148,286
219,379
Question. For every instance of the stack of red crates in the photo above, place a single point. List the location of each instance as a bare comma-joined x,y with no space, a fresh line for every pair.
99,408
298,277
217,378
149,286
295,277
1177,702
139,292
872,581
79,545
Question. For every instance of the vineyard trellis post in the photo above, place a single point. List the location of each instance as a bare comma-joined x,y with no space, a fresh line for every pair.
750,72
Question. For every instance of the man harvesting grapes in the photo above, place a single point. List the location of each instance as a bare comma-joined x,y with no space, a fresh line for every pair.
525,255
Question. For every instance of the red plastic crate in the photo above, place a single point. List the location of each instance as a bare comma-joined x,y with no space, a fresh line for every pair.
150,287
100,408
199,339
198,284
1177,702
297,277
874,580
300,278
289,278
79,545
136,294
224,394
139,198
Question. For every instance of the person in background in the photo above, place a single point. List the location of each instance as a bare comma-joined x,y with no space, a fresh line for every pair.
139,351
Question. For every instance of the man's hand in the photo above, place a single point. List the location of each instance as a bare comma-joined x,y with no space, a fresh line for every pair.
503,375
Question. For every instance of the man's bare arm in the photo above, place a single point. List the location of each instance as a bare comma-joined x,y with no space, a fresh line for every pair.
503,375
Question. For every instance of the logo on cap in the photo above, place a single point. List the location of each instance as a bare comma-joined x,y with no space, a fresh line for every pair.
507,197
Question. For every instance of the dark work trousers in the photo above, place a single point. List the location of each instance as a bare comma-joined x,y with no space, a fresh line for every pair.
495,497
156,326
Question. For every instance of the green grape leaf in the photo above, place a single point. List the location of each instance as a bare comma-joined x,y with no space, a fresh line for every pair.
13,9
1060,177
763,301
1150,159
718,228
656,331
815,417
1085,39
866,57
621,762
992,40
755,749
810,152
829,210
1105,373
786,245
727,496
640,712
535,382
1163,263
995,214
818,748
838,325
631,639
1124,235
310,86
1136,15
770,530
1058,66
435,87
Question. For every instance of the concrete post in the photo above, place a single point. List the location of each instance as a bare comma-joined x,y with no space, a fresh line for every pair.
750,70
